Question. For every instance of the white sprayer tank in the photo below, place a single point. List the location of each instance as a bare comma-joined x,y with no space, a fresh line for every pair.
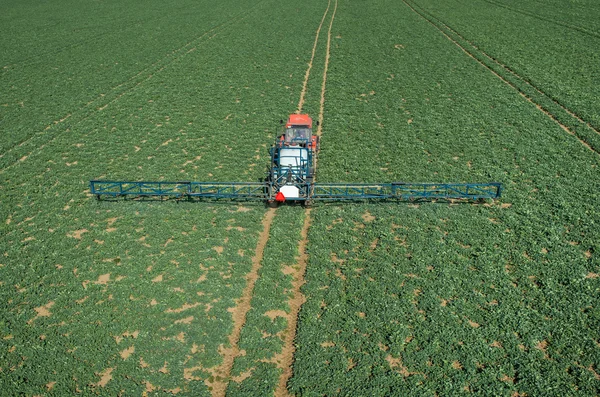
292,156
295,157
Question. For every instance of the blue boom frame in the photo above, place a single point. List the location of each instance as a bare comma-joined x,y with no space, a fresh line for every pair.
313,191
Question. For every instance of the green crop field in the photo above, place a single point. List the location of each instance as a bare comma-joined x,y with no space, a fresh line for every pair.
134,297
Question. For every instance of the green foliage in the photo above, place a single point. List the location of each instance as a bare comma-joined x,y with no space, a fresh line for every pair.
135,292
435,298
122,298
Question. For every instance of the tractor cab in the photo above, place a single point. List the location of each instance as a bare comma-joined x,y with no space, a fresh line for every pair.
300,135
298,130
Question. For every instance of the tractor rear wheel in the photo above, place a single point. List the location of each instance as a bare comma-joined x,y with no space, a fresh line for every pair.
272,203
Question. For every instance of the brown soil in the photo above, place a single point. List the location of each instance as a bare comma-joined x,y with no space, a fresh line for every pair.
185,306
163,369
593,371
273,314
219,387
396,364
77,233
367,217
218,249
473,324
105,377
103,279
542,346
243,376
127,352
42,311
186,320
508,379
143,364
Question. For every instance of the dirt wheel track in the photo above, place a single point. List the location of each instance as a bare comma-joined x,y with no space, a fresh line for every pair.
241,310
286,358
295,303
312,58
219,388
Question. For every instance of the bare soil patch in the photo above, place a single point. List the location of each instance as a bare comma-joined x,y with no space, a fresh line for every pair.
185,307
396,364
42,311
126,353
105,377
273,314
77,233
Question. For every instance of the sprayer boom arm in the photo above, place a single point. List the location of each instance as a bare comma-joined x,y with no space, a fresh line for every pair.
309,192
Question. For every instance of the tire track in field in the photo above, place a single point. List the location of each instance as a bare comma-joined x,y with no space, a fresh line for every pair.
286,358
541,18
312,57
219,387
513,73
513,85
223,372
117,93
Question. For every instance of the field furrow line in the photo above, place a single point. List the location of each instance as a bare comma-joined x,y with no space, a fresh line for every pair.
515,85
117,93
223,372
516,75
24,62
286,358
532,15
310,63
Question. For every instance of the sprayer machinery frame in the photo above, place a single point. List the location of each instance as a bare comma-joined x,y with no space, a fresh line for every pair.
291,177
